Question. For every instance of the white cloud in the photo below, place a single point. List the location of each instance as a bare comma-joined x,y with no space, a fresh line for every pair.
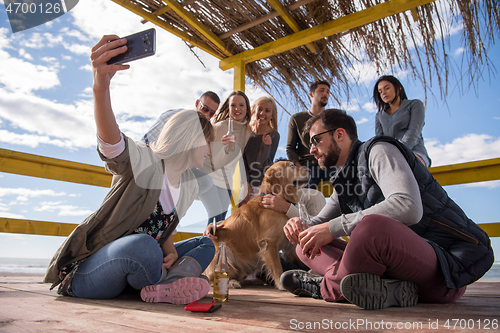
24,54
87,68
370,107
490,185
471,147
459,51
62,210
18,75
362,121
12,215
26,192
48,122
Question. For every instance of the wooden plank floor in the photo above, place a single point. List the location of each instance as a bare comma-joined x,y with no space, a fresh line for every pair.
27,305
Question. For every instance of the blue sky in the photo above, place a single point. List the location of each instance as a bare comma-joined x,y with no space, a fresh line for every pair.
46,109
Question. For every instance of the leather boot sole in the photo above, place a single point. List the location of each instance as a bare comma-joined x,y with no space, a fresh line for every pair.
182,291
372,292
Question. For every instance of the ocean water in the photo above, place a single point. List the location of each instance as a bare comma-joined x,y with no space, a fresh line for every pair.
39,266
23,265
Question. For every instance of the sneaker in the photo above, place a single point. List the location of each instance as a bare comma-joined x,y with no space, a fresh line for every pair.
372,292
301,283
182,291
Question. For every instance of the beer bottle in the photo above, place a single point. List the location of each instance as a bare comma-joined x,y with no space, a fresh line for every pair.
221,276
232,138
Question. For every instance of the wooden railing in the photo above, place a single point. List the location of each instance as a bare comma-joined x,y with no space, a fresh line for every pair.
56,169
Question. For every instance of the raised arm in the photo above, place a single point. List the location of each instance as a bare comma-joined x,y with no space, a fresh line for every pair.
108,47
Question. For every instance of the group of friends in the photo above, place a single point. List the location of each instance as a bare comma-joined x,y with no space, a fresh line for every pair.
408,241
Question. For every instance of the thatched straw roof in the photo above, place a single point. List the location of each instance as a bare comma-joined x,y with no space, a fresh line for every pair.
228,27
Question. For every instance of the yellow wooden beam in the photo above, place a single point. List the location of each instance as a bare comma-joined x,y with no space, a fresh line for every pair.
330,28
177,7
285,15
154,19
239,76
43,228
492,229
30,227
470,172
52,168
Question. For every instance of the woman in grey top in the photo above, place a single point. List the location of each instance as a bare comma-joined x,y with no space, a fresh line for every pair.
399,117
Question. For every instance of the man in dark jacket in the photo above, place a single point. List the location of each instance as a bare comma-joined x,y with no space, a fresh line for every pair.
408,240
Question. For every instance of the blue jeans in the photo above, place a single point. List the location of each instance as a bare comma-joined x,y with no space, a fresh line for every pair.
134,260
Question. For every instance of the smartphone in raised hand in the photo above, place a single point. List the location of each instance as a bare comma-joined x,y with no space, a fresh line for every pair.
139,45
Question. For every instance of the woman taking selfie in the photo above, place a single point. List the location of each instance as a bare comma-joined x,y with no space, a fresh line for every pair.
128,240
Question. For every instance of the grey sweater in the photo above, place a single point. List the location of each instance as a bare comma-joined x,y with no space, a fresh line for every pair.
405,125
393,175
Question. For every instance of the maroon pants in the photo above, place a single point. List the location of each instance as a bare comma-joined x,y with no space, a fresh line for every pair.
382,246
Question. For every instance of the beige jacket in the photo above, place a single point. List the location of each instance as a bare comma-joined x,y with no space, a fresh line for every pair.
225,164
126,206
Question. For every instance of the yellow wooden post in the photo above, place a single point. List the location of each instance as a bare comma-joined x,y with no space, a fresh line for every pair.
239,76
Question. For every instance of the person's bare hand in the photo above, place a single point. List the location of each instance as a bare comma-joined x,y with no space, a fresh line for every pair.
292,229
108,47
210,229
314,238
275,202
169,260
266,138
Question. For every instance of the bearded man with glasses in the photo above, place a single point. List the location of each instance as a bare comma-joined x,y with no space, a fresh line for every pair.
408,240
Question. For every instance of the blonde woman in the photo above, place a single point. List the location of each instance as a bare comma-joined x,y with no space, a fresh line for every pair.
224,161
128,240
261,147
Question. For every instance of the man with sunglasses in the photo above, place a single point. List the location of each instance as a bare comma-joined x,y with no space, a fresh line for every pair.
408,240
297,146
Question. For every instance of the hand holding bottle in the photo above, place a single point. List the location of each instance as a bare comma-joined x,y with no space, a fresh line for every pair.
229,140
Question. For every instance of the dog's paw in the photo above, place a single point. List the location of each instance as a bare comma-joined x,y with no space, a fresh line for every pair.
279,286
233,284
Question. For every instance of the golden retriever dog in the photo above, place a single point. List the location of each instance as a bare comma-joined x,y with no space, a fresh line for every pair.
254,234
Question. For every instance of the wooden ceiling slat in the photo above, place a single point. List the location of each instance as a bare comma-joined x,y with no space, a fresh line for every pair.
263,19
276,4
201,28
321,31
154,19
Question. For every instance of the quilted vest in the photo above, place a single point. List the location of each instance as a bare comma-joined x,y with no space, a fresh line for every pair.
462,247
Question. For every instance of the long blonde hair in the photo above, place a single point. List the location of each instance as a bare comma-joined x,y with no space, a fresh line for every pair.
273,122
180,135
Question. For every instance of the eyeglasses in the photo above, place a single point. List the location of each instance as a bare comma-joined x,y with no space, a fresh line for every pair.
206,109
314,139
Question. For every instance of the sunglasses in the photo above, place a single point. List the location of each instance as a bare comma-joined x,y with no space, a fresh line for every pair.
206,109
314,138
